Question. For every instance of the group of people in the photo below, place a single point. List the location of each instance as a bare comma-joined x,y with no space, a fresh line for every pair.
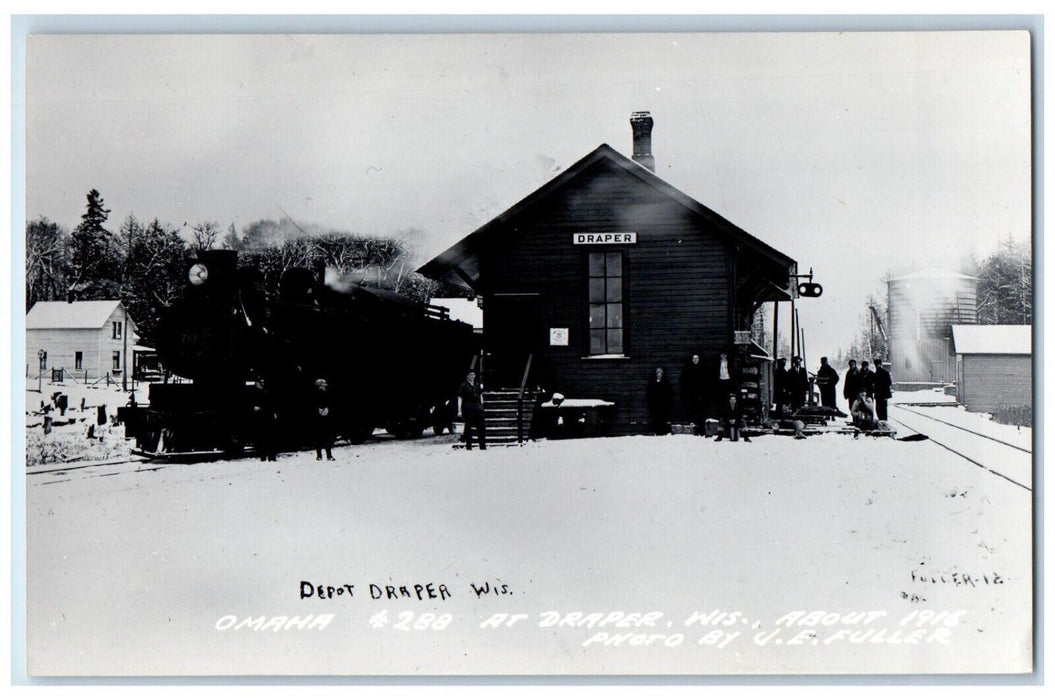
264,418
699,387
791,387
866,392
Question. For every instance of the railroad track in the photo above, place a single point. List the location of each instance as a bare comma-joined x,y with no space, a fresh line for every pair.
966,430
57,473
998,457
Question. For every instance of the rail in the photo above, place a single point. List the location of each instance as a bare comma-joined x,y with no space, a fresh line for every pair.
520,398
970,459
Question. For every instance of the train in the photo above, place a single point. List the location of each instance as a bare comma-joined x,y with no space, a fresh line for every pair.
389,362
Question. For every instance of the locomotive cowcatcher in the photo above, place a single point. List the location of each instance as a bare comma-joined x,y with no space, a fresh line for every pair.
389,362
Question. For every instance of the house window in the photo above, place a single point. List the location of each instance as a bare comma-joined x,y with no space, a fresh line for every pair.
117,330
78,360
117,360
606,303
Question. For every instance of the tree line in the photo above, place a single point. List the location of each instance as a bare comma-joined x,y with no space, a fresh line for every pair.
144,263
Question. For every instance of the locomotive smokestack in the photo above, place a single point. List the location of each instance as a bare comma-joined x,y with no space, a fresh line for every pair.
641,123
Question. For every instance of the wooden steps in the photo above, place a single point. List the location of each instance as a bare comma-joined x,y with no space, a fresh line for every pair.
500,416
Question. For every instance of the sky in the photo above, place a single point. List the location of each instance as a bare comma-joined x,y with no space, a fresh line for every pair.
857,154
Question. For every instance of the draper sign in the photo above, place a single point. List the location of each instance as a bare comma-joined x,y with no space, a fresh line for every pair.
603,238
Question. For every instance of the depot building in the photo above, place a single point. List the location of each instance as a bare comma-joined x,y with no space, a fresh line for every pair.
606,273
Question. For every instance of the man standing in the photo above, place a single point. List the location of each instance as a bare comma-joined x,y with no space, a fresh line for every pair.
866,381
850,384
658,397
263,421
827,379
322,420
882,384
780,385
800,383
692,392
471,396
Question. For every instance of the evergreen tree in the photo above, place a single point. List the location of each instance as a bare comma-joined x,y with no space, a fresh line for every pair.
232,241
93,255
1005,285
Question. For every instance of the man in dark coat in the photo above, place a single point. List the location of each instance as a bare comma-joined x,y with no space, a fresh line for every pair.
732,420
866,381
799,383
322,419
850,384
827,380
781,395
470,393
263,421
882,385
693,393
658,396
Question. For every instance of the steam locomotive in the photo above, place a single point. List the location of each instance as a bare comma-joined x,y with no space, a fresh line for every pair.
389,362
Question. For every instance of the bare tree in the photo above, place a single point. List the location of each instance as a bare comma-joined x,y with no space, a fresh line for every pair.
205,234
45,261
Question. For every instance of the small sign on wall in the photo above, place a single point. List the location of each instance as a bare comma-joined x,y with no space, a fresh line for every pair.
742,337
558,336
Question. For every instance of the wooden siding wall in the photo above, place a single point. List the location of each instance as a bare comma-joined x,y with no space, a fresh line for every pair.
677,287
98,346
990,381
62,346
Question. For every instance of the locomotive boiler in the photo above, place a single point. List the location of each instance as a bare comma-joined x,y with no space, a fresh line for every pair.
389,362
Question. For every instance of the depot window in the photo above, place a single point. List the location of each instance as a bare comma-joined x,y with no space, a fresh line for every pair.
78,360
117,360
117,330
605,300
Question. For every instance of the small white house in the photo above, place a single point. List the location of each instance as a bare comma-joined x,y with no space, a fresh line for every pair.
89,339
994,366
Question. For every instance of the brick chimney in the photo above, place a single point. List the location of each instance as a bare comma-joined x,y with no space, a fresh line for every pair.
641,123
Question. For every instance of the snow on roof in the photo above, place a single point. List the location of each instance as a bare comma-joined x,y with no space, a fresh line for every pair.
78,314
932,273
462,310
992,340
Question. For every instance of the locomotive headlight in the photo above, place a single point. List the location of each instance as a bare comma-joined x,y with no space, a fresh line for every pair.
197,274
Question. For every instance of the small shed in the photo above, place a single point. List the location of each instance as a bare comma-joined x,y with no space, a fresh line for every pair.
994,366
89,339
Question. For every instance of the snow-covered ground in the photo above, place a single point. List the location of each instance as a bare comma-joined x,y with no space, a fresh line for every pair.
923,396
68,442
153,572
978,422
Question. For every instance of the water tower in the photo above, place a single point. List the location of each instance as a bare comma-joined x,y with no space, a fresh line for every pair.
922,307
